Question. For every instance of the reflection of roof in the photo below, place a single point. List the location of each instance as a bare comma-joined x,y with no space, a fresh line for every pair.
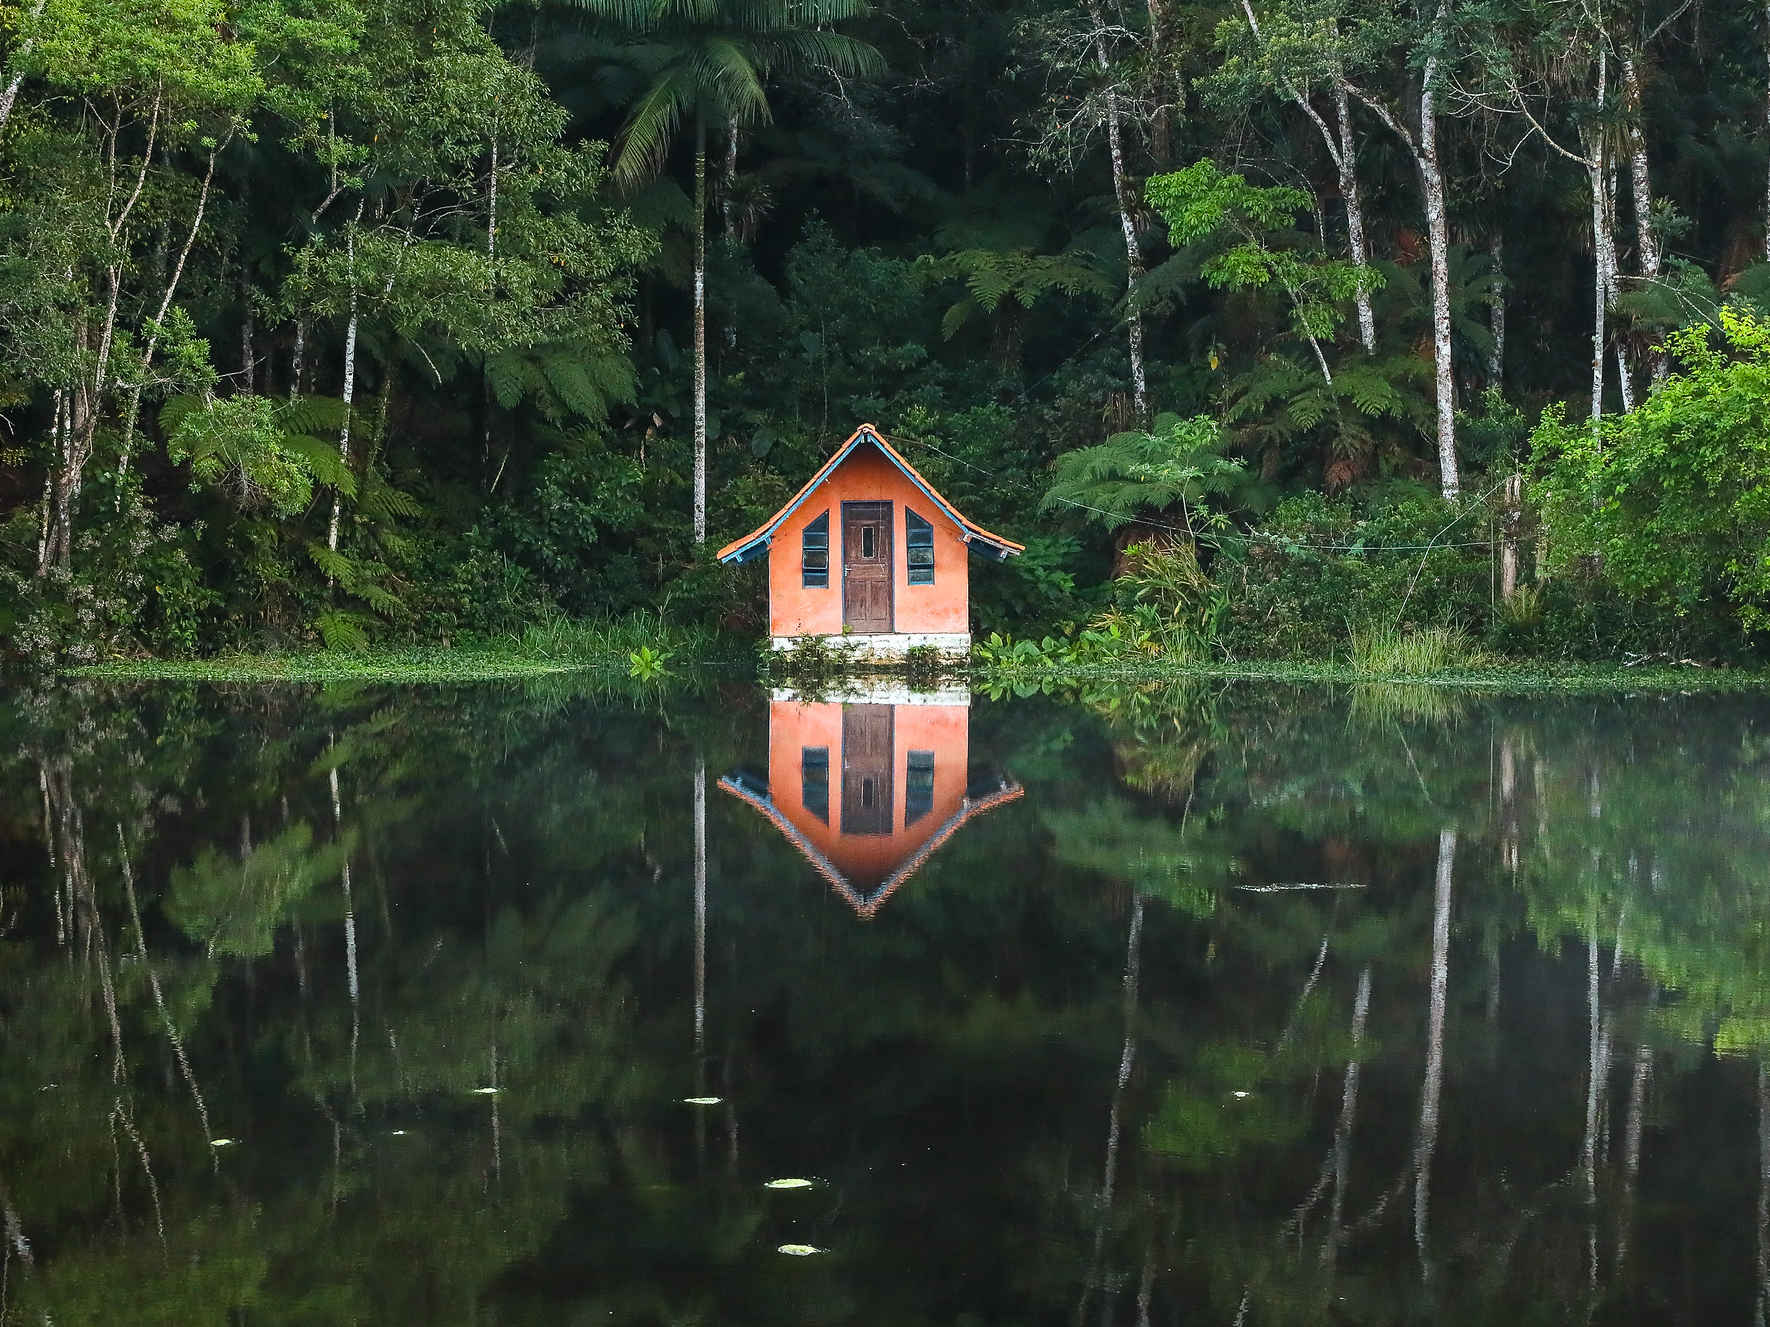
866,905
742,550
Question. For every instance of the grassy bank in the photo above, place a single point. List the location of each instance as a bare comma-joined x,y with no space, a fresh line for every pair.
642,646
1513,678
646,648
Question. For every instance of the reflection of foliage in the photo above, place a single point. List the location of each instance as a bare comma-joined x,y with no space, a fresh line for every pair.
234,908
1150,854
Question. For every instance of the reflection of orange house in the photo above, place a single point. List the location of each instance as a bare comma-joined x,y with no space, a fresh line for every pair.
868,791
869,552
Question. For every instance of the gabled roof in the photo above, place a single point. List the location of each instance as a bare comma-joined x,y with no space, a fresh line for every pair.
742,550
867,904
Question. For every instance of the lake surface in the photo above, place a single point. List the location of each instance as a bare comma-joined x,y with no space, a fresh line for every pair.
505,1004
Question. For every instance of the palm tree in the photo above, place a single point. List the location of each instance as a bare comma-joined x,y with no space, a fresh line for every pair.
707,60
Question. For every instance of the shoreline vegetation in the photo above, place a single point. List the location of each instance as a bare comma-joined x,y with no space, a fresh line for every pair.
644,654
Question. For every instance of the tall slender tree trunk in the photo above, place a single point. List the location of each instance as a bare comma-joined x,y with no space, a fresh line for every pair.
147,355
297,356
700,327
1647,237
1427,1139
1341,149
1646,234
1127,1058
349,386
9,97
1121,188
728,196
1496,314
1347,161
1343,1131
1161,125
1597,1081
1509,540
1438,242
1762,1314
700,904
1603,243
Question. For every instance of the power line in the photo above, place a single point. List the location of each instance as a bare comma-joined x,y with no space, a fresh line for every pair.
1219,534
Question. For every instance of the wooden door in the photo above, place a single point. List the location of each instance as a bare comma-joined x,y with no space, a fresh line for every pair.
867,760
866,567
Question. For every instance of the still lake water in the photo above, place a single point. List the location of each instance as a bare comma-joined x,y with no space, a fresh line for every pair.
1214,1005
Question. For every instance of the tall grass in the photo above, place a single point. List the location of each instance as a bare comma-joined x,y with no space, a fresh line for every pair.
557,644
610,640
1383,651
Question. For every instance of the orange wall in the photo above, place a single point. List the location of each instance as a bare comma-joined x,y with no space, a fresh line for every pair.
867,859
868,476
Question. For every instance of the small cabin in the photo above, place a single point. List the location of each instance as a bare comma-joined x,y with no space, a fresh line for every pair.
867,551
868,788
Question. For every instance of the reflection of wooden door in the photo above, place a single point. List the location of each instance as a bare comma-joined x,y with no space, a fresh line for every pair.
866,769
866,566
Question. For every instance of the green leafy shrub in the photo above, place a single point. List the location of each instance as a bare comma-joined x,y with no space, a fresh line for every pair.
1670,504
1321,567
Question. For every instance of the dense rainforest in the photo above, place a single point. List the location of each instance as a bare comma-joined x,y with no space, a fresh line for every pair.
1270,327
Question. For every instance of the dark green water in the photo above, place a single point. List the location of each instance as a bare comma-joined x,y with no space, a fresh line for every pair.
1095,1060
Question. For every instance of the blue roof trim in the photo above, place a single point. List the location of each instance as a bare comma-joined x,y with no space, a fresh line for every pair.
761,539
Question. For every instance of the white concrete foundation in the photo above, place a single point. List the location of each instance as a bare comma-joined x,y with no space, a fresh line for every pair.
886,647
876,691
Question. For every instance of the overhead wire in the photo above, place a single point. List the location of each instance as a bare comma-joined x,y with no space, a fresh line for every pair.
1236,536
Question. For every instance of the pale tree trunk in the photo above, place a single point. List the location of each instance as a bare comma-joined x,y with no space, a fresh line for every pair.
1427,1139
700,327
700,904
1438,242
147,355
1638,1085
1762,1315
1343,1131
727,202
1347,163
55,414
1603,243
349,930
297,357
248,356
1121,189
10,96
1127,1058
1161,128
1646,236
1625,378
1597,1079
1646,229
1496,315
349,384
1341,150
1509,539
1423,146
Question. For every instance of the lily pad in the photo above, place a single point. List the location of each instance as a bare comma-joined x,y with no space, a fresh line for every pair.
799,1250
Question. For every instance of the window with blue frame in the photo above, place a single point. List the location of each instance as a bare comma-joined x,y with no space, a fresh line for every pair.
815,555
919,540
919,797
814,781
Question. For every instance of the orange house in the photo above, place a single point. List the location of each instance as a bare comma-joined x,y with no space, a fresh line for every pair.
867,551
867,792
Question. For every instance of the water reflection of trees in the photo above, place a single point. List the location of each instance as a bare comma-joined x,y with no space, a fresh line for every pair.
457,1080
